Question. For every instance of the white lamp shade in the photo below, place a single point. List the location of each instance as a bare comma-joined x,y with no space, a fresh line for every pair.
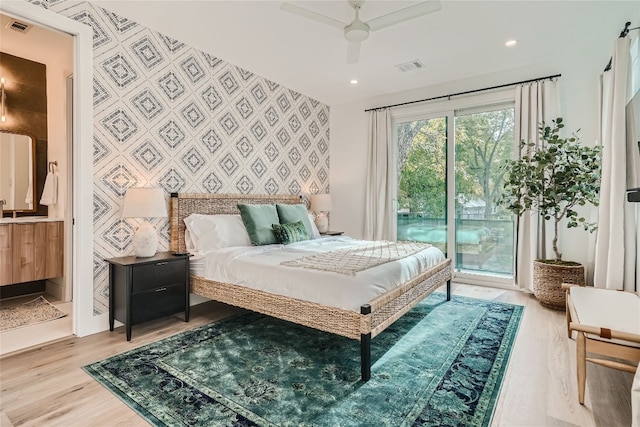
321,202
144,203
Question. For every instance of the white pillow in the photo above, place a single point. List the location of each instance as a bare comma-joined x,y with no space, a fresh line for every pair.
190,234
314,229
211,232
189,241
230,231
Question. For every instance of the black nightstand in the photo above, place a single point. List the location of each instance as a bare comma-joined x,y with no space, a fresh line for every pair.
332,233
142,289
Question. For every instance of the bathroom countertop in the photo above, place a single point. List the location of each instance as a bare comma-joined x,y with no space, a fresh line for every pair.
28,219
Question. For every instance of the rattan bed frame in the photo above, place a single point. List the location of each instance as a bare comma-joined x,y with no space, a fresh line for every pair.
373,317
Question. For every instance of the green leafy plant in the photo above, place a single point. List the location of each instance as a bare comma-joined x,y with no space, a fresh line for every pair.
553,178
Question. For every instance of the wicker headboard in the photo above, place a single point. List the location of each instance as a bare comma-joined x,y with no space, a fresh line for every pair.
184,204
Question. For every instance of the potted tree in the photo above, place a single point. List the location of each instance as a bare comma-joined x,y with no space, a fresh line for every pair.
552,180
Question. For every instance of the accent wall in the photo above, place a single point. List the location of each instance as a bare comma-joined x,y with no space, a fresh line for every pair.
170,116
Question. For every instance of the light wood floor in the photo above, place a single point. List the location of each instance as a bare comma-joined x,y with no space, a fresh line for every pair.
46,387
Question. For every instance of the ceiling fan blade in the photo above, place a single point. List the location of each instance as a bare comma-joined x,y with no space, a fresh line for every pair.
353,52
290,7
404,14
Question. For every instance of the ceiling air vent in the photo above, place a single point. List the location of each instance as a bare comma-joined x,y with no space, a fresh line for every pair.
416,64
19,26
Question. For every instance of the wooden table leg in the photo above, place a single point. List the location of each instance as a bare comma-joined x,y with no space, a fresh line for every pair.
581,362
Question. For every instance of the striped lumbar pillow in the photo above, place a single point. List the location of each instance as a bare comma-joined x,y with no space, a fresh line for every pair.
290,233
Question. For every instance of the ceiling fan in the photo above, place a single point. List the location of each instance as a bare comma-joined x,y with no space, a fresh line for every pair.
358,31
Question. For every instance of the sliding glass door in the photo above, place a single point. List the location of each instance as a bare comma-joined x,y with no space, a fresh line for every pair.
484,231
422,181
449,177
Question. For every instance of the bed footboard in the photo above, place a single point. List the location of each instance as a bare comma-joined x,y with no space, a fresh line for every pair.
346,323
388,309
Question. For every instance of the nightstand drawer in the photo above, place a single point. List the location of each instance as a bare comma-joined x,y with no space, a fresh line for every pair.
157,302
157,274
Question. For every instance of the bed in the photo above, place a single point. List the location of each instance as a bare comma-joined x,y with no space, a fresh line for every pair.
362,323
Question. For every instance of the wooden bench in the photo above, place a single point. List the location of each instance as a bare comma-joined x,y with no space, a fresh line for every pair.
607,323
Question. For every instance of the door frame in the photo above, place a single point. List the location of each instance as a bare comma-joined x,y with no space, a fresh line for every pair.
81,183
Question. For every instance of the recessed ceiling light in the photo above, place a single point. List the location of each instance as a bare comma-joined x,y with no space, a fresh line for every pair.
354,81
511,43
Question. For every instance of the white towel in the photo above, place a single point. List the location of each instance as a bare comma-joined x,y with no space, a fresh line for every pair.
50,192
29,197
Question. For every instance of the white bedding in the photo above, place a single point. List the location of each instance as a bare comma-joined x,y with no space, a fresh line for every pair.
258,267
197,265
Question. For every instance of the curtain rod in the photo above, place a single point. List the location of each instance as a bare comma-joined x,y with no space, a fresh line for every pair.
464,93
623,34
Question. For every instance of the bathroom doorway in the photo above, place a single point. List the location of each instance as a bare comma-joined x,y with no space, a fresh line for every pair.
37,62
73,165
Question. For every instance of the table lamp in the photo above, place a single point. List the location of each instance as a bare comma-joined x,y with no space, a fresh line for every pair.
144,203
320,204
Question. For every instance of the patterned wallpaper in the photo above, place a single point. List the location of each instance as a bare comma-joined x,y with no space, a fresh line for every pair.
171,116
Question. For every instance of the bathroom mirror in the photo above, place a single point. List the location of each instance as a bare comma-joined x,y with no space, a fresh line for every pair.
17,172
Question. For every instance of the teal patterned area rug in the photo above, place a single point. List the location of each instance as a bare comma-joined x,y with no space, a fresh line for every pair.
441,364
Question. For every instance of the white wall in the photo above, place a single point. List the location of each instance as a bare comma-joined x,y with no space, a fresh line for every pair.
579,107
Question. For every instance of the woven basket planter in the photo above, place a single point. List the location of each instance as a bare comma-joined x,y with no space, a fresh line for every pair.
548,280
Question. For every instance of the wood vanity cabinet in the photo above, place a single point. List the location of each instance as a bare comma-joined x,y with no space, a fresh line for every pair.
6,257
31,251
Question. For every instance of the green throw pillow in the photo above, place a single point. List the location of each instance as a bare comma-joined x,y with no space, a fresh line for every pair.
290,233
257,220
294,213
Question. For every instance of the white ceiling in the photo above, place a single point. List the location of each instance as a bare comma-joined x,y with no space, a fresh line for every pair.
462,40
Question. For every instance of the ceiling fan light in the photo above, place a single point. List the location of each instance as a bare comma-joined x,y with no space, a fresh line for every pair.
357,31
355,34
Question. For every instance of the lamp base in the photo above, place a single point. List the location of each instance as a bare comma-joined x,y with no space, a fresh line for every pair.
322,222
145,241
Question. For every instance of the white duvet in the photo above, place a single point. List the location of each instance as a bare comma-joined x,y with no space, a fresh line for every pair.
258,267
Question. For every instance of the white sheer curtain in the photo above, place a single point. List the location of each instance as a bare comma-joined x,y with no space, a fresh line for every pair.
380,178
535,102
615,254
